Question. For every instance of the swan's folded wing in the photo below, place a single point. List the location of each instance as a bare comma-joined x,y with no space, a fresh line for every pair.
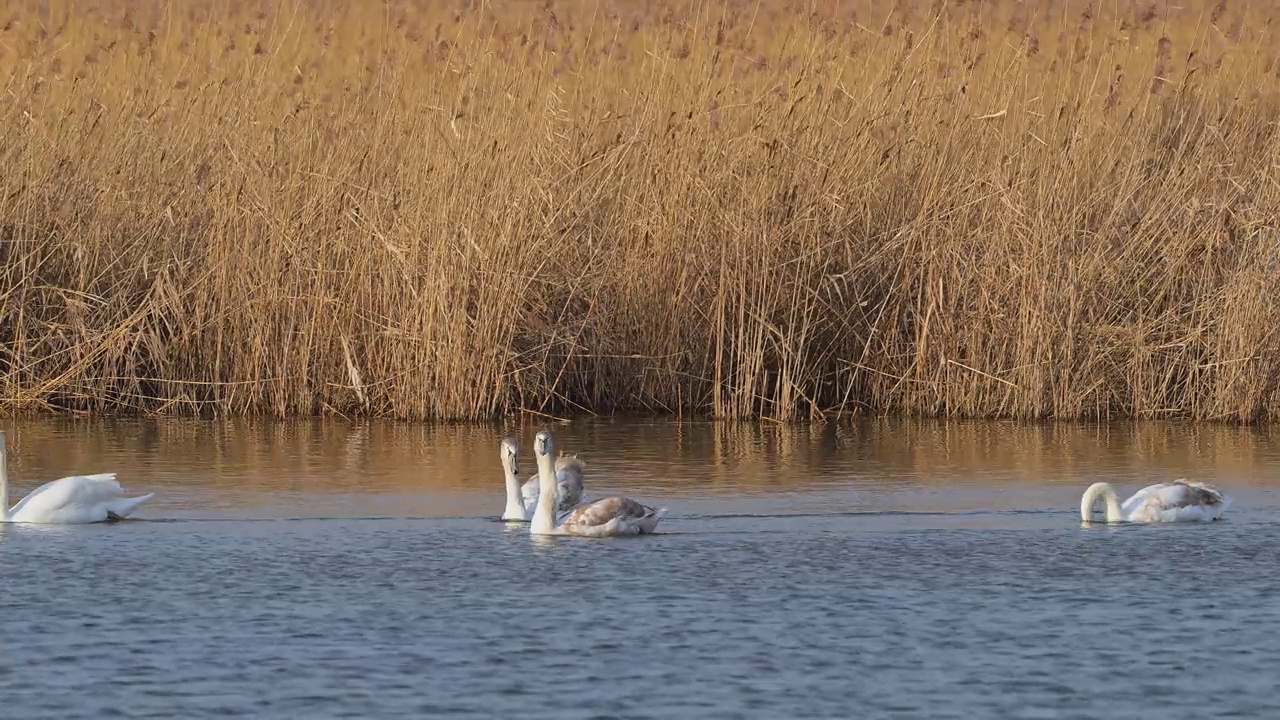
1180,501
529,492
604,511
78,490
1142,496
1186,493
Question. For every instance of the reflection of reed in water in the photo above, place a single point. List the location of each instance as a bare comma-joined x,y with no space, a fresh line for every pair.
633,457
951,452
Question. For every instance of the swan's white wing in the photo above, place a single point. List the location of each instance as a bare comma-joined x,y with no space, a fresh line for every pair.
529,493
1208,494
611,516
1141,497
1181,500
77,492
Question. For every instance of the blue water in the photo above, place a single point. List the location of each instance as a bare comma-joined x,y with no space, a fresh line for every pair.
852,593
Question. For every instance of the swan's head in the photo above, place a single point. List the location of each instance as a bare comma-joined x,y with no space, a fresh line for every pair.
542,444
511,454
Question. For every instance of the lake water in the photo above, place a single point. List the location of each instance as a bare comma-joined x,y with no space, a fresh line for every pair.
880,569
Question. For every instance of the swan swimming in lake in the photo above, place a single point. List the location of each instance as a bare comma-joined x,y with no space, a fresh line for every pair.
67,501
522,499
1178,501
602,518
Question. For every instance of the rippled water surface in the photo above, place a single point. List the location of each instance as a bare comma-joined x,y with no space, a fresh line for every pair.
882,569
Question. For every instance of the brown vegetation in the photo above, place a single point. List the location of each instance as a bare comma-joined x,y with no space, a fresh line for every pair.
779,209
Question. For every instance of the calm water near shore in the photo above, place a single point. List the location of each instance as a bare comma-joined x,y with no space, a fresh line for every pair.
878,569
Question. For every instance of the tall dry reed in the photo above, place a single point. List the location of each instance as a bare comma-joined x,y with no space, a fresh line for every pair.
746,209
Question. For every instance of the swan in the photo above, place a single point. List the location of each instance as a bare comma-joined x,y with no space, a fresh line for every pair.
1178,501
522,499
608,517
67,501
509,452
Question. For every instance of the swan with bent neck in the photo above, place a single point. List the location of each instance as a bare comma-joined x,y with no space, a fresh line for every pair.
522,500
73,500
609,517
1179,501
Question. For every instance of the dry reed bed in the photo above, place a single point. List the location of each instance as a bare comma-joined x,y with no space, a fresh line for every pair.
743,209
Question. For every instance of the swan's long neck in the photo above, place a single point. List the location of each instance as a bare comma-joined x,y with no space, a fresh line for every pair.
4,480
1111,503
515,504
544,516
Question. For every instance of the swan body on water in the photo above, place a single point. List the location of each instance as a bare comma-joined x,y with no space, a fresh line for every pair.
1178,501
522,499
67,501
609,517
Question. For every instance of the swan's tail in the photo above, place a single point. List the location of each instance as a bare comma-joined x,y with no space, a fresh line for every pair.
123,507
649,522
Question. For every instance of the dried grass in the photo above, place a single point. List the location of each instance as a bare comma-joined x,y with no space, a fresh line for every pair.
779,210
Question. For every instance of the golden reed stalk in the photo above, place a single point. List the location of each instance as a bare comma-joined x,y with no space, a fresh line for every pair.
743,209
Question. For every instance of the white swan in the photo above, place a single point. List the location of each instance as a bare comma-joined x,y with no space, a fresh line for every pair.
522,499
509,452
602,518
1178,501
67,501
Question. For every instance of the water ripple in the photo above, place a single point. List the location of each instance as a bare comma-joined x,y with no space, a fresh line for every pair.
390,617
